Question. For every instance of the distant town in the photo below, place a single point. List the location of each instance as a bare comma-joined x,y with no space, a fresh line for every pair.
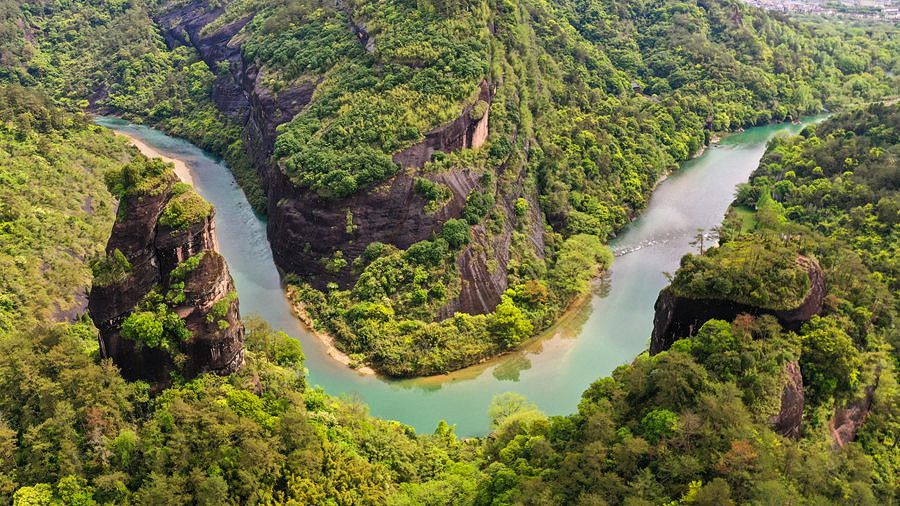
888,10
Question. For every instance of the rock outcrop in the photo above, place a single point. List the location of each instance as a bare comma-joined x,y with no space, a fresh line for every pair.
305,228
680,317
846,422
790,415
169,271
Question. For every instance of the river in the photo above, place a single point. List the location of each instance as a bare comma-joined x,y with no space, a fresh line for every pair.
608,330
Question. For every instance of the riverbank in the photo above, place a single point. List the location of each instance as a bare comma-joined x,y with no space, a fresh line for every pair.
181,169
325,338
530,345
588,342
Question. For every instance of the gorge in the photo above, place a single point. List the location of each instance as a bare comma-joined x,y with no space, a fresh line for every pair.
434,252
608,329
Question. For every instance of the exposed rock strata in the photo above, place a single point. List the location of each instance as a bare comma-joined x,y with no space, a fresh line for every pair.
303,227
846,422
790,415
681,317
154,250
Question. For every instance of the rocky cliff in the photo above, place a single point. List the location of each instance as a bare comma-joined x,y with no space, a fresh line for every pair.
305,228
169,306
680,317
847,420
790,415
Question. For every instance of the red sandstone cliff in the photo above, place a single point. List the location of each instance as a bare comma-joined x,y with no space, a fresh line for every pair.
153,251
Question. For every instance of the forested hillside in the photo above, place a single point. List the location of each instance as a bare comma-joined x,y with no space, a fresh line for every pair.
54,210
699,423
73,431
334,115
696,423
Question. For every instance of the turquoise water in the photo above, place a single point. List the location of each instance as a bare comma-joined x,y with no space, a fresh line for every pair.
552,371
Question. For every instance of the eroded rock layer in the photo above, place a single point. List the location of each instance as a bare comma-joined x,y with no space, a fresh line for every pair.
171,271
789,417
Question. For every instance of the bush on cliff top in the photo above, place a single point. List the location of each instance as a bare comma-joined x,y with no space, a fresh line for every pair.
141,175
111,269
184,210
757,271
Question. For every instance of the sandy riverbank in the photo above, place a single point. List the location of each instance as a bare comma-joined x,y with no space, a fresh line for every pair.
326,339
181,169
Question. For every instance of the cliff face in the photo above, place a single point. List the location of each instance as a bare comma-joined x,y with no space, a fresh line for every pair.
303,227
681,317
790,416
154,250
847,420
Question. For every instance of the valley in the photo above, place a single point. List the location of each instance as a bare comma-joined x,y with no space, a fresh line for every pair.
435,252
603,331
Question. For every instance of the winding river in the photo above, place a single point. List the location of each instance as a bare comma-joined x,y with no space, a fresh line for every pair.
606,330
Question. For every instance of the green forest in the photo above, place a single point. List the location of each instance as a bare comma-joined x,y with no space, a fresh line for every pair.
688,425
601,113
592,103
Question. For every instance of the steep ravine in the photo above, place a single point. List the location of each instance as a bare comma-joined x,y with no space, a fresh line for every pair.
304,227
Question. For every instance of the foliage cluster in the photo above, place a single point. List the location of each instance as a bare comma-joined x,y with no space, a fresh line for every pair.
424,65
111,269
185,209
840,178
759,271
54,211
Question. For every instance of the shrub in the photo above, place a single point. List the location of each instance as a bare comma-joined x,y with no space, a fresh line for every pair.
500,149
456,233
436,195
428,252
144,327
829,360
478,204
508,324
520,207
111,269
184,210
658,424
181,270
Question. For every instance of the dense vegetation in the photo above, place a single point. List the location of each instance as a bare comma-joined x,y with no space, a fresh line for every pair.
591,103
387,318
686,426
54,213
762,272
110,57
689,425
72,431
